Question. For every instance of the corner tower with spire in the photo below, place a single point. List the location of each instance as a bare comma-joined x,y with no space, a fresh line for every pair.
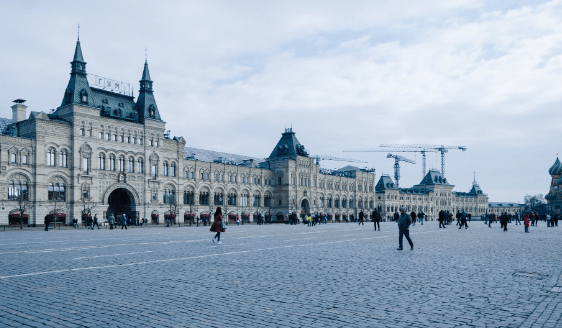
78,91
146,104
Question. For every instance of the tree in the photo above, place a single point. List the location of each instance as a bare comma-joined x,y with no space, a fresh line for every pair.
22,206
87,205
535,203
55,203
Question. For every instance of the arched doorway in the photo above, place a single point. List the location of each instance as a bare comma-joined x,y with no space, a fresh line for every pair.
305,206
121,201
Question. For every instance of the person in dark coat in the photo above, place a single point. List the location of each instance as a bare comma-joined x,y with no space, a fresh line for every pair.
396,216
361,216
377,219
463,220
47,222
95,222
217,225
404,223
441,219
421,216
413,216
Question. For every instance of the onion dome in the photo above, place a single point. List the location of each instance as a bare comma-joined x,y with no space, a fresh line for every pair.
556,168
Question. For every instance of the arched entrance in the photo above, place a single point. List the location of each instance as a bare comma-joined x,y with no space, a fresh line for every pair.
121,201
305,206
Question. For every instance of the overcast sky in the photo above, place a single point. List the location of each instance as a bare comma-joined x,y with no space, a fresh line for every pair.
232,75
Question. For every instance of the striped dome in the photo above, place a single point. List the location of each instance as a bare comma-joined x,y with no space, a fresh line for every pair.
556,168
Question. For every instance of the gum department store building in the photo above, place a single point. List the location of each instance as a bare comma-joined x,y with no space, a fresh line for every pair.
102,152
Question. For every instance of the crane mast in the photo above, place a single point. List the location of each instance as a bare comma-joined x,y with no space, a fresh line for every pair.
437,148
397,160
398,150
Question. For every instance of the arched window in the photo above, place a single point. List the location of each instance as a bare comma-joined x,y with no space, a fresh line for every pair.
140,165
101,162
51,157
188,197
84,97
131,166
165,169
112,162
173,170
63,159
169,196
121,163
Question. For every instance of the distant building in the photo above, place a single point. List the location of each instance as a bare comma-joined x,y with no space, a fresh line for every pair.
509,208
554,195
431,195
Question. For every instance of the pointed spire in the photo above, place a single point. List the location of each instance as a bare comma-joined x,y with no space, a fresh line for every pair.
145,73
78,53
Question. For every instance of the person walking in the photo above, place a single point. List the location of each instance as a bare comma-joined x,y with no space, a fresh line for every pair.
504,218
47,222
404,223
526,222
441,219
413,216
218,226
517,218
361,217
90,222
458,216
377,219
463,220
396,216
111,221
74,223
123,221
421,216
95,223
549,220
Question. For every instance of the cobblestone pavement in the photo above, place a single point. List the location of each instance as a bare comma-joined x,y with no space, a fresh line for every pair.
334,275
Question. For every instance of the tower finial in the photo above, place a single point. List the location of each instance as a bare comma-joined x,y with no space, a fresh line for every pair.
145,55
78,31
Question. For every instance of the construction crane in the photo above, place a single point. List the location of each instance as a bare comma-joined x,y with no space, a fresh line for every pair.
439,148
331,158
397,160
398,150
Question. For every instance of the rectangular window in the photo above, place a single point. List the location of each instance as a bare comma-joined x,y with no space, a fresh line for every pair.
114,137
154,197
191,175
85,164
128,139
207,176
24,159
173,170
107,136
85,194
140,141
201,176
13,158
121,138
153,170
279,180
83,132
101,135
150,142
134,140
156,144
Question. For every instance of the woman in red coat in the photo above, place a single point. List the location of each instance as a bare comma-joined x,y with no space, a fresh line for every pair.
526,222
217,225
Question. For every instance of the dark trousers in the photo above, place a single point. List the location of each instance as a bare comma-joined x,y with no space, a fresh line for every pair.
463,223
96,224
111,226
490,224
404,233
124,226
377,223
218,236
441,224
46,227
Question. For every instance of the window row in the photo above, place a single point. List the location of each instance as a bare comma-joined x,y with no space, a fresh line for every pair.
52,155
113,164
